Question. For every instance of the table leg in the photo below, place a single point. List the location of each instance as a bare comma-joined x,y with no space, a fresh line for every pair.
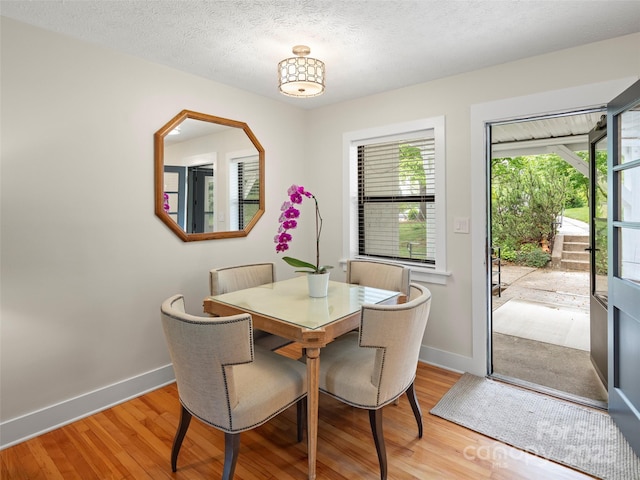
313,374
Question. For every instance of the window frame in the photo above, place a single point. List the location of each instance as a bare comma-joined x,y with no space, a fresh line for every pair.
236,203
351,141
244,202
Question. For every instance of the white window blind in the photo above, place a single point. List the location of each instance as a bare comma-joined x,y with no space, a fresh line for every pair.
396,199
245,194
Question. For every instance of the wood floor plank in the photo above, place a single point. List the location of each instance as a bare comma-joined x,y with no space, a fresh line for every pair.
72,465
93,451
104,437
133,440
18,463
46,460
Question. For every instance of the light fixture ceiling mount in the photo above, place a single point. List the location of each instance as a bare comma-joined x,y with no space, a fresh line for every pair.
301,76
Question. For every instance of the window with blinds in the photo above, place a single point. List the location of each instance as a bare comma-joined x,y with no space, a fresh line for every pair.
396,199
248,185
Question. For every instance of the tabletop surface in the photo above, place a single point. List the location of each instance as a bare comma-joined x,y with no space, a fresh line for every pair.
289,301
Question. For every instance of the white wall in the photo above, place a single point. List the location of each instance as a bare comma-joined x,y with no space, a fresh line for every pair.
450,338
85,263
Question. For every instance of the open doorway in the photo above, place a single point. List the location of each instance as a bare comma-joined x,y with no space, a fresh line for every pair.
540,325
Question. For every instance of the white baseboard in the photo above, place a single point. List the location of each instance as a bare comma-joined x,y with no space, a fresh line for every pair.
448,360
36,423
49,418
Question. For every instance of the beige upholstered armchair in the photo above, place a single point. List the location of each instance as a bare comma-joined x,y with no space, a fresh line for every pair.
224,381
372,367
376,274
229,279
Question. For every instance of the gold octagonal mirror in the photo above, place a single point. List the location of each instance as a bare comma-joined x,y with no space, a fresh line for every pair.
209,177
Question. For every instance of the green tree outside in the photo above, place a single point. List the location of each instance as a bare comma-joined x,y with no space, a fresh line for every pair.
528,194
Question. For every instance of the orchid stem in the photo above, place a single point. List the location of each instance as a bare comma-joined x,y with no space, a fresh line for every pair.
318,232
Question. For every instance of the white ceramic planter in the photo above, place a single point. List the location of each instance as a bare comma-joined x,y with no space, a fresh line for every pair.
318,284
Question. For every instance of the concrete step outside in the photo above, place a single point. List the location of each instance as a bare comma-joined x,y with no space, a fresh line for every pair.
574,246
568,255
577,265
576,238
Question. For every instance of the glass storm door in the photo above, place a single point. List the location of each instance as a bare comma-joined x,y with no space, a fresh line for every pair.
623,131
599,347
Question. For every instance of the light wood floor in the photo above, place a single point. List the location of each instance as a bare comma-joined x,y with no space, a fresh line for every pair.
133,441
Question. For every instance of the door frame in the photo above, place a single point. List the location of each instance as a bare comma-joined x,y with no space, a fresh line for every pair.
547,103
515,151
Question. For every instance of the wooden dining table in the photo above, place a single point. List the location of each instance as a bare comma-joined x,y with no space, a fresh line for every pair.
285,308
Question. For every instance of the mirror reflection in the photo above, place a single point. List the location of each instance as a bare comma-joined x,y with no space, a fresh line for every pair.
209,177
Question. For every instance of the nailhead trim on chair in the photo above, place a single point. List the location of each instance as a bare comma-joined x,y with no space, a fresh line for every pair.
226,430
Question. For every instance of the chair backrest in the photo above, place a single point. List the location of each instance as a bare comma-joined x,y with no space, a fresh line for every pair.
204,351
398,347
230,279
387,276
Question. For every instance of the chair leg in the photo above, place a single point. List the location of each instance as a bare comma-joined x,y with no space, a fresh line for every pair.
375,418
415,406
301,408
231,450
185,420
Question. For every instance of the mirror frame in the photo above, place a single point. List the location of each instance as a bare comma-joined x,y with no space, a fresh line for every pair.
158,139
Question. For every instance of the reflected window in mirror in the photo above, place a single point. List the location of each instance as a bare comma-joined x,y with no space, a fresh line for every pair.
174,182
190,192
245,190
209,177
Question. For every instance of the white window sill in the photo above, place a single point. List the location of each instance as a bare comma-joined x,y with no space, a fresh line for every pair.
428,275
418,273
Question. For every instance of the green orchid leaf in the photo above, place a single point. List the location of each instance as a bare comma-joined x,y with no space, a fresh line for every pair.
294,262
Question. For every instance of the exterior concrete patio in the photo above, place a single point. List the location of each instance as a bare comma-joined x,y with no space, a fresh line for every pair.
541,328
541,333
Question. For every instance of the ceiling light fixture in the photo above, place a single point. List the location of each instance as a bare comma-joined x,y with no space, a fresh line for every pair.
301,76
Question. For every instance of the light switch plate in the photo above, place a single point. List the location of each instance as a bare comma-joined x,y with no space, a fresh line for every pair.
461,225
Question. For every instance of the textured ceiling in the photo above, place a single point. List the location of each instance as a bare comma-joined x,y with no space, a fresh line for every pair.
368,46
